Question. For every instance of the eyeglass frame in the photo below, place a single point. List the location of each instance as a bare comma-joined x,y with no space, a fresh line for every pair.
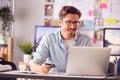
68,22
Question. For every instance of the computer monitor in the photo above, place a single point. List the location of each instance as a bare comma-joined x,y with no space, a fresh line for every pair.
40,31
111,38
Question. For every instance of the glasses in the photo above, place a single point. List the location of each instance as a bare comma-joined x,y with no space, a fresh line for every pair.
68,22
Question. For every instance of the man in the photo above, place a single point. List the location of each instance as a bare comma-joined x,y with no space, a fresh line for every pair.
54,47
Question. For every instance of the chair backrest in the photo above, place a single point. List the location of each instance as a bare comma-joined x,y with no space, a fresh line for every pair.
6,52
3,62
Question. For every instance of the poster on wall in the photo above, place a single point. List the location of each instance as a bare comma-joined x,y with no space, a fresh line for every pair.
83,6
111,14
48,12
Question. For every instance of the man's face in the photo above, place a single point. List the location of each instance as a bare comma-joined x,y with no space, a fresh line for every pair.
69,25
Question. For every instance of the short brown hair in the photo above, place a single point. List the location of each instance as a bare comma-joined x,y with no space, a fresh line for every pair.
68,9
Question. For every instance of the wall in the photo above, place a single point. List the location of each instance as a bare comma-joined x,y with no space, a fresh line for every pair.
28,13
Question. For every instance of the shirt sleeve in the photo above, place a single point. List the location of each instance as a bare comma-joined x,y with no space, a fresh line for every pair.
42,51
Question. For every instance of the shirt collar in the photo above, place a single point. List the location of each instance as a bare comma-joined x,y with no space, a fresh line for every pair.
59,36
75,38
77,35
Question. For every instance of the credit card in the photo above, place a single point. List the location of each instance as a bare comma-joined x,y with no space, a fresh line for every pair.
52,65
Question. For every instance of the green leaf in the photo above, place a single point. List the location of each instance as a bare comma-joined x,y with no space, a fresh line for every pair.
26,47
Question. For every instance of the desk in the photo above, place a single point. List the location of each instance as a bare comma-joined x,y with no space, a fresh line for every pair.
16,74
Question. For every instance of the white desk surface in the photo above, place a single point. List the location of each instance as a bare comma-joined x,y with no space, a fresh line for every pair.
19,74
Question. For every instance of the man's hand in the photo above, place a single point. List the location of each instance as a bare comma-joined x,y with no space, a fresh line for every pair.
45,68
37,68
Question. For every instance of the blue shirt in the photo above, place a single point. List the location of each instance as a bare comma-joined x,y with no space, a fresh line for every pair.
53,48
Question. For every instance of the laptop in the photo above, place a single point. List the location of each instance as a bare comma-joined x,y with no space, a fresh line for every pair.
88,61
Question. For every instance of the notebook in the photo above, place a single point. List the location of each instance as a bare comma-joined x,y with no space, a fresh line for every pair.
88,61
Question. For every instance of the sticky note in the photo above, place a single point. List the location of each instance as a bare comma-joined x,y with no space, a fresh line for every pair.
89,24
90,13
110,21
103,6
104,1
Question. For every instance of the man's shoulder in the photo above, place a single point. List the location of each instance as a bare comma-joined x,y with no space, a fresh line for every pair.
52,34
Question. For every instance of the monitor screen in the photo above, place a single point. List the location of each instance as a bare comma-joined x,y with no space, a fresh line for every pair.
40,31
111,39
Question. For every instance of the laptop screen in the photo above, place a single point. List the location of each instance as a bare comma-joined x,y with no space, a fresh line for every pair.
88,61
111,39
40,31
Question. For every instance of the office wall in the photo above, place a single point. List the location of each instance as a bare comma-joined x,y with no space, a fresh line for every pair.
107,11
28,13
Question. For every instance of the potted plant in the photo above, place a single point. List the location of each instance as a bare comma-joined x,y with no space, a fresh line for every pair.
27,49
7,19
